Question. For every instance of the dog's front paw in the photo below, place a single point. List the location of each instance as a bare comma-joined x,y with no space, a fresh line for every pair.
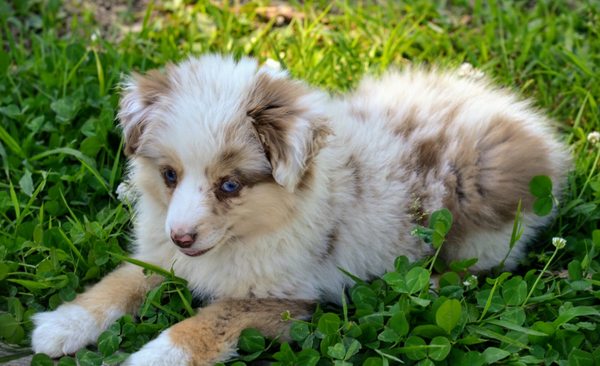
64,330
161,352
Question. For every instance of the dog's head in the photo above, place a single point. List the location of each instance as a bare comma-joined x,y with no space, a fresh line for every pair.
221,146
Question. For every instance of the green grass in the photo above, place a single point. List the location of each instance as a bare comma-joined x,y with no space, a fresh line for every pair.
61,226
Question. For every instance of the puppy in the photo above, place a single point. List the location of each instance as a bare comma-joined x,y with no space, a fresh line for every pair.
256,188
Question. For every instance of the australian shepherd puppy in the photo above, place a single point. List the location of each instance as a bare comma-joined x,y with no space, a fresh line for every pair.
256,188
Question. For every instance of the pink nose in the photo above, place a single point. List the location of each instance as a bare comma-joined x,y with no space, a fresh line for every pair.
183,240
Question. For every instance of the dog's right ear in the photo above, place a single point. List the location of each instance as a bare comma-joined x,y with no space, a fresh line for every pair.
140,95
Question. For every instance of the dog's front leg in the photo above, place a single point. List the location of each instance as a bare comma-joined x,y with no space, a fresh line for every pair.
78,323
212,335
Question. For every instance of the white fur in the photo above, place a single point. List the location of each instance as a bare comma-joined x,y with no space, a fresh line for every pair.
159,352
187,208
162,352
67,329
291,262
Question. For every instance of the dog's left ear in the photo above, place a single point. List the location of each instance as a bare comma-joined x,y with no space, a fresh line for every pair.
290,123
139,97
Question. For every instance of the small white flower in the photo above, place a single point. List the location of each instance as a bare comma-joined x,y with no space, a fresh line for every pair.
559,242
122,191
94,37
273,64
465,69
468,71
470,281
594,137
280,20
125,192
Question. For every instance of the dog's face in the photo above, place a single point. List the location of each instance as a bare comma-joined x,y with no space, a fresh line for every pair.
222,146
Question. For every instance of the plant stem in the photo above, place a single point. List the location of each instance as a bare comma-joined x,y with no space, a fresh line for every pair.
590,175
537,280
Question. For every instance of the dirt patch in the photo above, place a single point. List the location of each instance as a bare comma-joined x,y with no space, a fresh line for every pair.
114,18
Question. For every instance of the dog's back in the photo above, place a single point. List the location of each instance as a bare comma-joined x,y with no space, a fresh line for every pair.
413,142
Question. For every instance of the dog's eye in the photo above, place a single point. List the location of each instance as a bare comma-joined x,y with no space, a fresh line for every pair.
230,186
170,177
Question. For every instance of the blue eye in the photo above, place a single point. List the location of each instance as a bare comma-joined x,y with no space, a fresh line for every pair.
230,186
170,177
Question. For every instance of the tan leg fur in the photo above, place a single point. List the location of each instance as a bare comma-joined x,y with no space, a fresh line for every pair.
122,290
212,334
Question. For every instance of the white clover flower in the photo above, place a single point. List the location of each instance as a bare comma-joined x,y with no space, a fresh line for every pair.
559,243
280,20
94,37
467,70
122,189
470,281
125,192
273,64
594,137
